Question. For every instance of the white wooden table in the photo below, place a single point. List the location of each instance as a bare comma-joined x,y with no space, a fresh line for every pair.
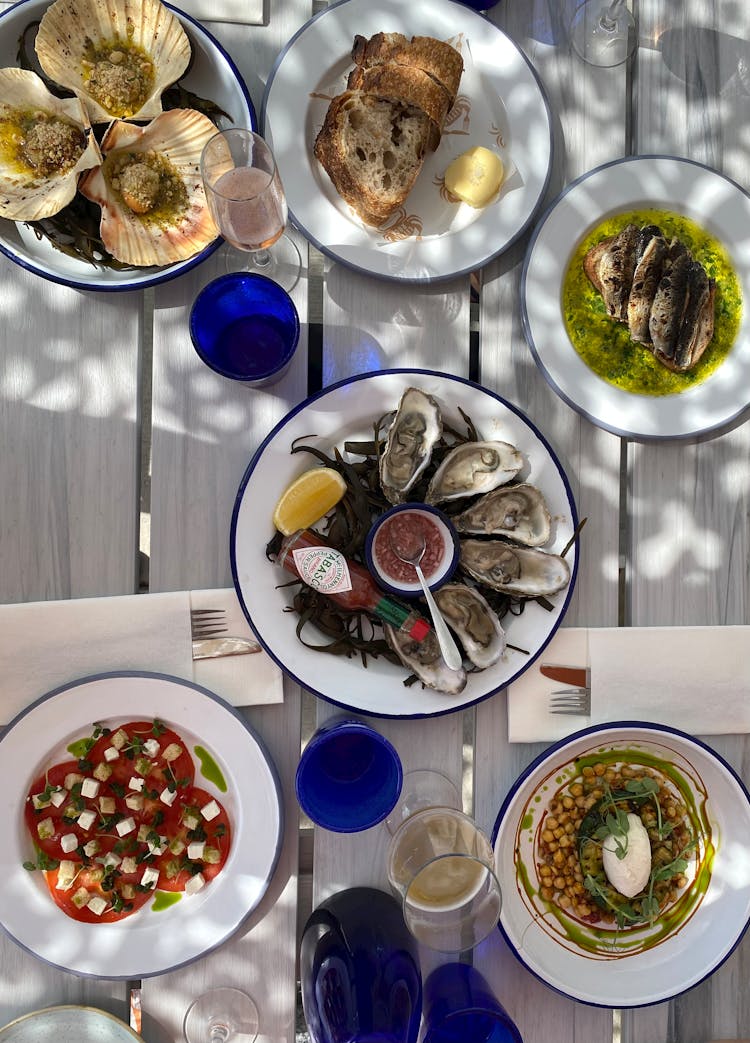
120,457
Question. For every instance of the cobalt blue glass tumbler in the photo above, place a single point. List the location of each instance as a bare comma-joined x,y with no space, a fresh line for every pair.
459,1006
245,327
359,971
349,776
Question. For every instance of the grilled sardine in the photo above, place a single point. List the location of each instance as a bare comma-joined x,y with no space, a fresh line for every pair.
645,282
670,300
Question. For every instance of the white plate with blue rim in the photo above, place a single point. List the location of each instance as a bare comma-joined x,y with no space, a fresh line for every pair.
500,105
148,942
347,411
70,1021
212,75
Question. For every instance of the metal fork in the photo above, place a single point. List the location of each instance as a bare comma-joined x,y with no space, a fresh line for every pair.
574,701
207,622
210,639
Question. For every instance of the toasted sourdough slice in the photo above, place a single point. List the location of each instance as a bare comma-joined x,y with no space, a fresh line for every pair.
373,150
405,85
439,60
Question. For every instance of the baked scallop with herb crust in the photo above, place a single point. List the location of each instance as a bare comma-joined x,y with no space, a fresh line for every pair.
45,144
149,186
118,56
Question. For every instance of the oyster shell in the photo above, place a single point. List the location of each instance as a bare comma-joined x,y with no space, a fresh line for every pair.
476,624
119,56
423,658
154,208
514,570
45,143
473,467
416,428
518,512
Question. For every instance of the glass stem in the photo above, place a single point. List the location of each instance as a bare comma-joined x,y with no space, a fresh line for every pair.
607,20
262,258
218,1034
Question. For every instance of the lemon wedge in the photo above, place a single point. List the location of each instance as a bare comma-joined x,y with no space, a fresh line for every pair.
307,499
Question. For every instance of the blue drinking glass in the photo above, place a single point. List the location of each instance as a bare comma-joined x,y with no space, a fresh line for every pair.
359,971
245,327
349,776
460,1007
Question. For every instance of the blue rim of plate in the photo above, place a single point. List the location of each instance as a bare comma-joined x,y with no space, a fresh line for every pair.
539,227
540,759
329,251
163,275
273,772
52,1014
406,373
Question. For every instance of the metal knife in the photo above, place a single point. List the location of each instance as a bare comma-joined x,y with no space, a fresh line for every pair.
577,676
213,647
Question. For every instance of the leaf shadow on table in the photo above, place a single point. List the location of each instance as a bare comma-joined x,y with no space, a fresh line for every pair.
709,62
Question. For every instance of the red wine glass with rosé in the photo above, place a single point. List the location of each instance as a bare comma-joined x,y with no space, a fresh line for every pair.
247,202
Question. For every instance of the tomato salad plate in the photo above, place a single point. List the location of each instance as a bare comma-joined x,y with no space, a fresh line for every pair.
500,106
134,844
350,423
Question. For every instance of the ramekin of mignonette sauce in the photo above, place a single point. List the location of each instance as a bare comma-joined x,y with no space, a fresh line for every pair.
403,527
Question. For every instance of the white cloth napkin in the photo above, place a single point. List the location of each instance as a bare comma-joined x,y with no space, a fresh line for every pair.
46,644
693,678
249,12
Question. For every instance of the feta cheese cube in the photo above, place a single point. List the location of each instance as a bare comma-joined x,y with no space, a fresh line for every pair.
134,801
172,752
40,802
168,796
111,753
195,883
91,848
86,819
80,898
103,771
119,739
107,805
111,859
71,779
58,797
210,810
195,849
68,842
158,846
96,904
152,747
128,865
136,784
150,877
90,788
125,826
66,874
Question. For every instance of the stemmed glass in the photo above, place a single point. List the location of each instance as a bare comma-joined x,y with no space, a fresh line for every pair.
247,202
223,1015
603,33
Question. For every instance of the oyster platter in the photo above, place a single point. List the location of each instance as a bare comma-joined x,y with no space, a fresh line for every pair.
443,441
143,88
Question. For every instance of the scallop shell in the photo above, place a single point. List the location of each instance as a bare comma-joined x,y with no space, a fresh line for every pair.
24,194
72,30
178,136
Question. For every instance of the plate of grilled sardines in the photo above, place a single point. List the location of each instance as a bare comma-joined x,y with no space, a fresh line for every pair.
633,293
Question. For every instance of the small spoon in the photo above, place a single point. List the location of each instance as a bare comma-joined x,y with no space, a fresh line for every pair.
448,646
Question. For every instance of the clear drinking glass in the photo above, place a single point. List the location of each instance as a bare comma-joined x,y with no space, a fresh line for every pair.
247,202
442,866
603,33
223,1015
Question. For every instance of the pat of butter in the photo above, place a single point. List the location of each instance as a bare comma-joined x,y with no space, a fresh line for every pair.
475,176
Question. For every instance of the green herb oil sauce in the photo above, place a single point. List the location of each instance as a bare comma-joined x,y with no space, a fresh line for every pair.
80,747
615,943
165,899
210,769
605,345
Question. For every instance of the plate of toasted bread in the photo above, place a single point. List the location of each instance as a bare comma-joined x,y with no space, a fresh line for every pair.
413,141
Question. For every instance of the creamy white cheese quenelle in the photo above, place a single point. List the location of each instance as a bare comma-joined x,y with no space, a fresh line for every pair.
628,875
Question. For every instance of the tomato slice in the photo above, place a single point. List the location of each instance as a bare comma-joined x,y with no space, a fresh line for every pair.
54,821
88,879
176,869
131,756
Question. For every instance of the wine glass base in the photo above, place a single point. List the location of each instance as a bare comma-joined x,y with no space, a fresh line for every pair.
223,1015
599,40
280,262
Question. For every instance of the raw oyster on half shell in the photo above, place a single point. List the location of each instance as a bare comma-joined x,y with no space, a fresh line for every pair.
45,144
473,467
118,56
474,621
416,428
154,209
425,660
518,512
514,570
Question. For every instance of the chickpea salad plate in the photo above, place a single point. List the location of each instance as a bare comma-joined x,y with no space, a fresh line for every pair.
138,840
623,858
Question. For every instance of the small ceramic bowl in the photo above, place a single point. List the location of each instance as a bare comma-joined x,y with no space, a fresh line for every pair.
438,562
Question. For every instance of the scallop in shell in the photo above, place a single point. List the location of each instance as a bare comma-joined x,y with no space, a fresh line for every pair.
473,467
416,428
119,56
518,512
514,570
474,621
424,659
154,209
45,143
